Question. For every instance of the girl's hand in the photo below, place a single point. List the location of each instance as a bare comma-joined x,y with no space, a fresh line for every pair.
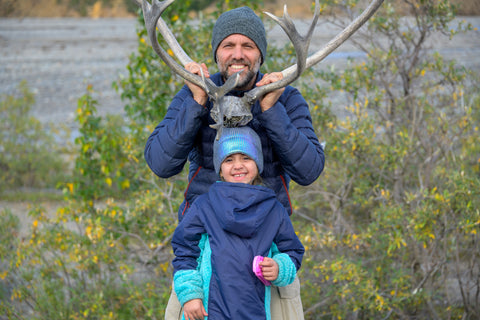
269,269
194,310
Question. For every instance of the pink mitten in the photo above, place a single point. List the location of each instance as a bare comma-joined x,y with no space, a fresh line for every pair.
257,269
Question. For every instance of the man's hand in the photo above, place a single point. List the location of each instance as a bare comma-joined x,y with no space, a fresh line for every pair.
194,310
198,94
269,269
267,101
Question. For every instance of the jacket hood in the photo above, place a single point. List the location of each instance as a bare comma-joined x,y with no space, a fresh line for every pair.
241,208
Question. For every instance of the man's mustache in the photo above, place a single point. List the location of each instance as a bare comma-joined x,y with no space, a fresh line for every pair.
238,62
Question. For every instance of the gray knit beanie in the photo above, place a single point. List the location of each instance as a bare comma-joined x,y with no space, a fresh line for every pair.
237,140
243,21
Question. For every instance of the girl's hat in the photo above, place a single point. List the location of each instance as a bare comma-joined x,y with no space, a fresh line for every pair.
237,140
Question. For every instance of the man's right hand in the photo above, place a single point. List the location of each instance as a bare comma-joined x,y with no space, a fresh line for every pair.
199,94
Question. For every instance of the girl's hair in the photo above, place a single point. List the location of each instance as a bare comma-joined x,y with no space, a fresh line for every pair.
258,181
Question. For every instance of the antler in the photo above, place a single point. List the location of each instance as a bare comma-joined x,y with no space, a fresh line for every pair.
152,16
235,112
169,37
301,47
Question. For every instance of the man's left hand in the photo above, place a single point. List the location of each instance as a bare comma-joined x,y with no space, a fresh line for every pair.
267,101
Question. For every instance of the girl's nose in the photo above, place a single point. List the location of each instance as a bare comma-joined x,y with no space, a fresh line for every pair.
237,165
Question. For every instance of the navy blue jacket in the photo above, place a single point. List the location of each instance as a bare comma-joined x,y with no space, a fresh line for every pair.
241,221
290,147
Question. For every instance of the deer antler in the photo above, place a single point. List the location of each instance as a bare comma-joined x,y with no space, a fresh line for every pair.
152,16
300,44
293,72
234,111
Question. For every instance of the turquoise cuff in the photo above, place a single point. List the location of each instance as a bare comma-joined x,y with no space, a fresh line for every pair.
286,270
188,285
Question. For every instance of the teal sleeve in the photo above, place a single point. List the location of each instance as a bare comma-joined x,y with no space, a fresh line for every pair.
188,285
286,269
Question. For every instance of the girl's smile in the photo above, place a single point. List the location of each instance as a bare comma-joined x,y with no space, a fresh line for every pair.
238,168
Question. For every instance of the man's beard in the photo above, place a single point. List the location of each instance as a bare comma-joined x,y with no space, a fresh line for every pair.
244,83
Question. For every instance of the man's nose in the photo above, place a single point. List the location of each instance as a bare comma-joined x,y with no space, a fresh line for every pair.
237,53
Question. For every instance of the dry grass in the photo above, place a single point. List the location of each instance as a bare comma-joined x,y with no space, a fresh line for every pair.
50,8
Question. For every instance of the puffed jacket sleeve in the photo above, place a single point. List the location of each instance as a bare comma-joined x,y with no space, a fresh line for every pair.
169,145
188,280
188,285
288,242
186,239
288,124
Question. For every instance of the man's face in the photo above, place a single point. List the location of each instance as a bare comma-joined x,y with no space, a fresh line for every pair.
236,53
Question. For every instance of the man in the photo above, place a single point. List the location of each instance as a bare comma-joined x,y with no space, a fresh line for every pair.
281,118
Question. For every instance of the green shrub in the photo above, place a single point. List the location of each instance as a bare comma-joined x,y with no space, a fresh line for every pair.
390,228
30,152
395,211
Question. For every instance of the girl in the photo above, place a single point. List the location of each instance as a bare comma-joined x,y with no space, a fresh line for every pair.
217,241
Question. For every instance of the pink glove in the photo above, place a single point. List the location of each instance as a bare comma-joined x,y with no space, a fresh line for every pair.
257,269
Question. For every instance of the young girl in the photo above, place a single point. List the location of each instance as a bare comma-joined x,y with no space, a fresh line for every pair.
216,242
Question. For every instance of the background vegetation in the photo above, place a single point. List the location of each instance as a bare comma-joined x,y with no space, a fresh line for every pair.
391,227
122,8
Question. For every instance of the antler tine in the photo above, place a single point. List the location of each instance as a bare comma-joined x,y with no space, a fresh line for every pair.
152,16
318,56
152,13
300,44
341,37
169,38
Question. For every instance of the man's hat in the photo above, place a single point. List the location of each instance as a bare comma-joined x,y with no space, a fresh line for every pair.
242,21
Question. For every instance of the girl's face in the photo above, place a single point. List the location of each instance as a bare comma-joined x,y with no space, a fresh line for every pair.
238,168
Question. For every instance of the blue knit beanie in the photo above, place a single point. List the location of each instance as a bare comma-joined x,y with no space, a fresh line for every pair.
237,140
242,21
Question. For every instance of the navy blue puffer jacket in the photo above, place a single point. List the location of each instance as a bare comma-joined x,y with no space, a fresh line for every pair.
290,147
241,221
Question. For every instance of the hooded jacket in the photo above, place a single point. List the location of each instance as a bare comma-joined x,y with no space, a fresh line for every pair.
290,147
241,221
